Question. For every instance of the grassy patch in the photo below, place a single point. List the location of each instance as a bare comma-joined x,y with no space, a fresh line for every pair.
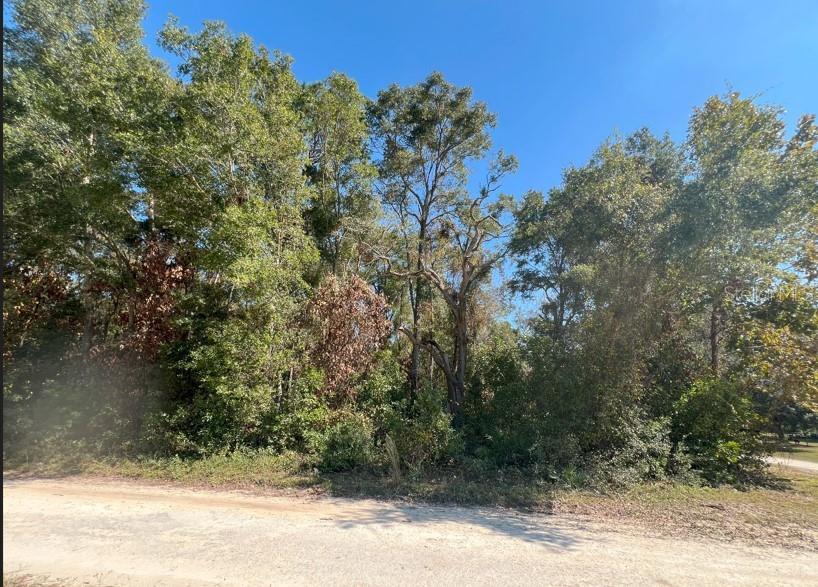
801,452
290,471
447,486
237,469
784,513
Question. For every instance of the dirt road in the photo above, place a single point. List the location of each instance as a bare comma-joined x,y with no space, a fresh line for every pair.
805,466
115,533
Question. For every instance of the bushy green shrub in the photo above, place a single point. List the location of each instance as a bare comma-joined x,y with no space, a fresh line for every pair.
301,414
168,433
426,436
555,452
502,415
420,428
383,392
718,426
347,443
638,452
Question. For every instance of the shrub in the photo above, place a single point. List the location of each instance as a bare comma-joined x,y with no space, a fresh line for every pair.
383,393
350,325
502,412
302,414
638,452
427,437
718,426
557,451
346,444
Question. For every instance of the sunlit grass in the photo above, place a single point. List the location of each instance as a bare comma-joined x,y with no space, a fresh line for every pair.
801,452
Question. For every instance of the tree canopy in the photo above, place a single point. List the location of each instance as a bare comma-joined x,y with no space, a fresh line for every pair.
221,257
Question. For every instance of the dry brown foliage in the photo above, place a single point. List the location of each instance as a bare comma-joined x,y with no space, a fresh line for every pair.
147,317
352,325
31,293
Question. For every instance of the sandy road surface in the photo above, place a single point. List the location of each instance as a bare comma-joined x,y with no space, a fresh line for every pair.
114,533
806,466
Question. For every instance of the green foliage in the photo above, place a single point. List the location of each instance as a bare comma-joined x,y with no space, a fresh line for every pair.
340,174
423,434
427,135
639,451
346,443
777,342
716,422
644,259
383,392
420,430
255,252
220,262
503,415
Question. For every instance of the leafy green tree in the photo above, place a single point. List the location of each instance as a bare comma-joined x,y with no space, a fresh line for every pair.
806,260
593,253
339,171
79,88
425,135
429,133
776,343
457,273
240,158
749,185
598,234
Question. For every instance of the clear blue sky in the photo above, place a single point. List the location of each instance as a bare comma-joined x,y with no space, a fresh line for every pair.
561,76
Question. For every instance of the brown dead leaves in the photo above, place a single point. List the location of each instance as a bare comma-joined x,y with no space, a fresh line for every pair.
351,322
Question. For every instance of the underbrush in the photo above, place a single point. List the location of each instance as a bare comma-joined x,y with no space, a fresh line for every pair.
463,481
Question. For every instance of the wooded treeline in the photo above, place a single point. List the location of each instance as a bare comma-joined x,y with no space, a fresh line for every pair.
224,257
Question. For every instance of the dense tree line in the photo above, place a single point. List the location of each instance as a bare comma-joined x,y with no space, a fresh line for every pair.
224,257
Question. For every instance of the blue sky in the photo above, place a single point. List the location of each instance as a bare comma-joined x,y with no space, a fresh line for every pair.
561,76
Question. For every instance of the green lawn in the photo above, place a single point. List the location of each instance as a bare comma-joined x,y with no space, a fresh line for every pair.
801,452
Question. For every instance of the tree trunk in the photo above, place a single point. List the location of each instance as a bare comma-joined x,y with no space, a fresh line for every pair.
414,365
454,384
714,337
417,301
458,387
151,213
